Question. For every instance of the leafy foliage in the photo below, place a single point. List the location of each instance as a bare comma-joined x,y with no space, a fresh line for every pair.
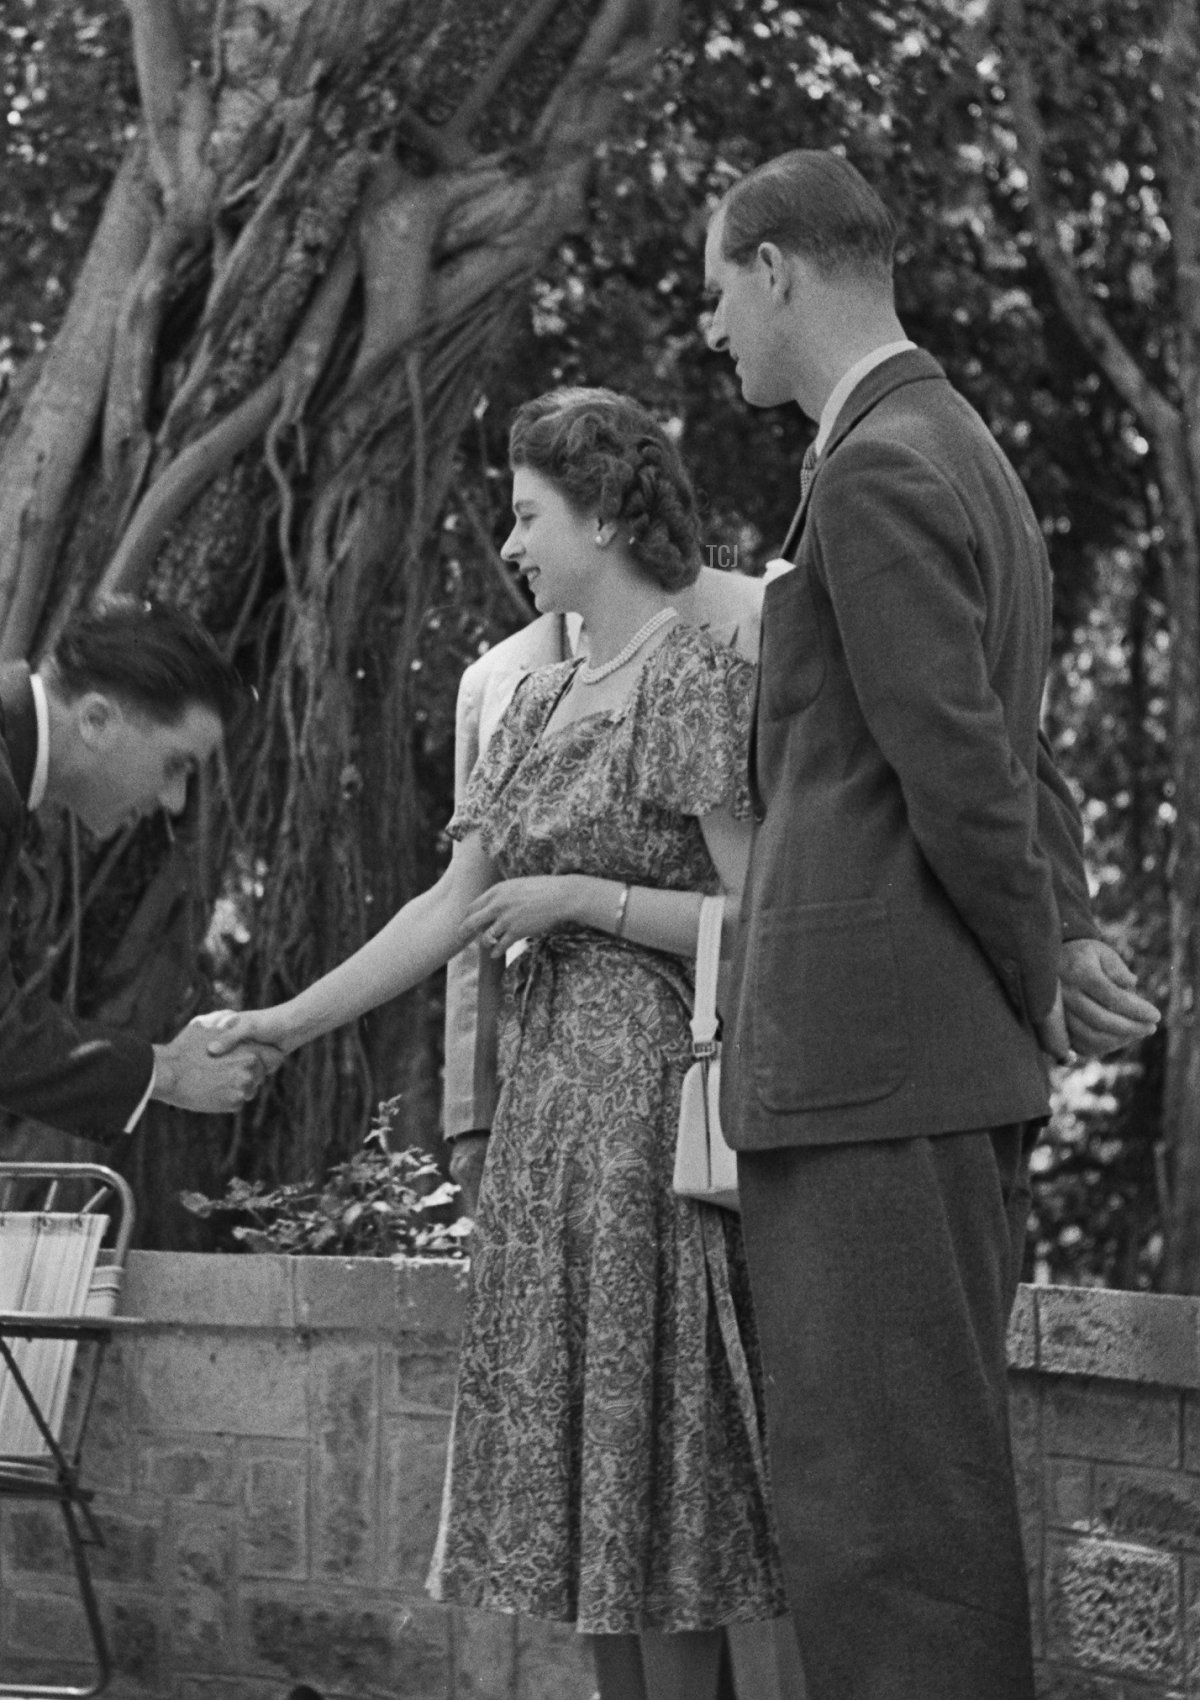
379,1203
68,102
1098,1177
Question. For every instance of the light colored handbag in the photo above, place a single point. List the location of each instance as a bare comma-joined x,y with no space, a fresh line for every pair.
705,1167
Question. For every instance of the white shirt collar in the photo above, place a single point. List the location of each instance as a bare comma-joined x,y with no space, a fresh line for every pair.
849,382
41,765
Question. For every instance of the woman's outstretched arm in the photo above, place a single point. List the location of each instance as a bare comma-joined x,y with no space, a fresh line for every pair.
665,920
418,938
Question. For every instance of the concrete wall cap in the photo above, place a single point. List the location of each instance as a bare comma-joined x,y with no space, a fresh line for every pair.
375,1296
1072,1331
1095,1331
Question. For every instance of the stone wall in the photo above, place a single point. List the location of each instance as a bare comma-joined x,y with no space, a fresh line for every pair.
268,1454
1106,1420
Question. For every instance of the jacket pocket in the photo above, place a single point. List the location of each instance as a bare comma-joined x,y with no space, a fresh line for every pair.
828,1025
792,652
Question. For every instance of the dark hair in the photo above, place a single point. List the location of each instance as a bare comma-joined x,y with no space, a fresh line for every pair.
814,204
155,658
609,456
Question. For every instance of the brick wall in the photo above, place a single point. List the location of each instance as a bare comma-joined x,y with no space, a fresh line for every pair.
268,1451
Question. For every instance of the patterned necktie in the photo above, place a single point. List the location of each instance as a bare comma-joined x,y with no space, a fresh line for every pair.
808,469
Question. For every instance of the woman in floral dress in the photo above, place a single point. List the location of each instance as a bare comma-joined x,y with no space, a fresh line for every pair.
606,1467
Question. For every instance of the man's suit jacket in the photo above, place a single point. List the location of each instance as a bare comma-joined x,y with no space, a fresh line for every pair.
729,605
901,923
81,1076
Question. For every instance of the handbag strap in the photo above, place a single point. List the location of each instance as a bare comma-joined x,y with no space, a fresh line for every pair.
708,961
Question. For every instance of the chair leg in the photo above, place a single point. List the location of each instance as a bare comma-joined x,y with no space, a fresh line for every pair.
72,1501
103,1658
91,1606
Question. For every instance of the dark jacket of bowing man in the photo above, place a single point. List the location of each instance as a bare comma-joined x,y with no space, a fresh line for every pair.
134,699
82,1076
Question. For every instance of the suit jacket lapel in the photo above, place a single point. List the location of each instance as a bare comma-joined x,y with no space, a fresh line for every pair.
792,541
18,726
908,368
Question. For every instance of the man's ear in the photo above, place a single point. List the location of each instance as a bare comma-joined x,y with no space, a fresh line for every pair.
95,717
778,270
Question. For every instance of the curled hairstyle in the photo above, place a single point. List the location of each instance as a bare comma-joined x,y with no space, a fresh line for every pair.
154,658
608,456
813,204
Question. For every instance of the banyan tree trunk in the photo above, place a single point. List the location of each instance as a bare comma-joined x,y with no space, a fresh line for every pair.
307,263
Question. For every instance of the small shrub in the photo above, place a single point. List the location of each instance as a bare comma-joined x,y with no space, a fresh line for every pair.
380,1203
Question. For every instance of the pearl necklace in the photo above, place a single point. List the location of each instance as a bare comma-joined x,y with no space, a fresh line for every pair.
593,675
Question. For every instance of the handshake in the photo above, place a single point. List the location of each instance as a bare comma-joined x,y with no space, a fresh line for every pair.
189,1075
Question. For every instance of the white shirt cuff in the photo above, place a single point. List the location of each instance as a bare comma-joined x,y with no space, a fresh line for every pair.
41,766
136,1117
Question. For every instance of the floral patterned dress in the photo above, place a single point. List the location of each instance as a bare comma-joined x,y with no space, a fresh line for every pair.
606,1465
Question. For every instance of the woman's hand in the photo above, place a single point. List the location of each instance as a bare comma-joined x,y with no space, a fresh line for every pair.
230,1028
521,909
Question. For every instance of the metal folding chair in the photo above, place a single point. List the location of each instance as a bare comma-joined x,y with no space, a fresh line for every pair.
59,1285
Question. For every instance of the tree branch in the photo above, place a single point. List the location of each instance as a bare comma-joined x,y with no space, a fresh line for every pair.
178,115
455,136
1082,311
486,203
44,453
624,39
227,279
163,75
124,435
504,223
231,273
201,461
396,233
1180,140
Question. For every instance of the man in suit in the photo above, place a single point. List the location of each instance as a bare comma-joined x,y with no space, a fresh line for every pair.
132,701
907,955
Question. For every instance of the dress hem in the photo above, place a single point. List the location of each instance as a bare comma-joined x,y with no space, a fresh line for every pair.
478,1601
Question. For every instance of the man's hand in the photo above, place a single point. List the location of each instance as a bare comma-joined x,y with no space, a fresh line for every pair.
187,1076
467,1153
1052,1032
1103,1008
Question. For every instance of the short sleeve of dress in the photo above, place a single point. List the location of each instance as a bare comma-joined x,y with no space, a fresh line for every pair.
516,732
691,739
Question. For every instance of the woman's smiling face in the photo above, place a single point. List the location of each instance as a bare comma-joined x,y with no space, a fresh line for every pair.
551,545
